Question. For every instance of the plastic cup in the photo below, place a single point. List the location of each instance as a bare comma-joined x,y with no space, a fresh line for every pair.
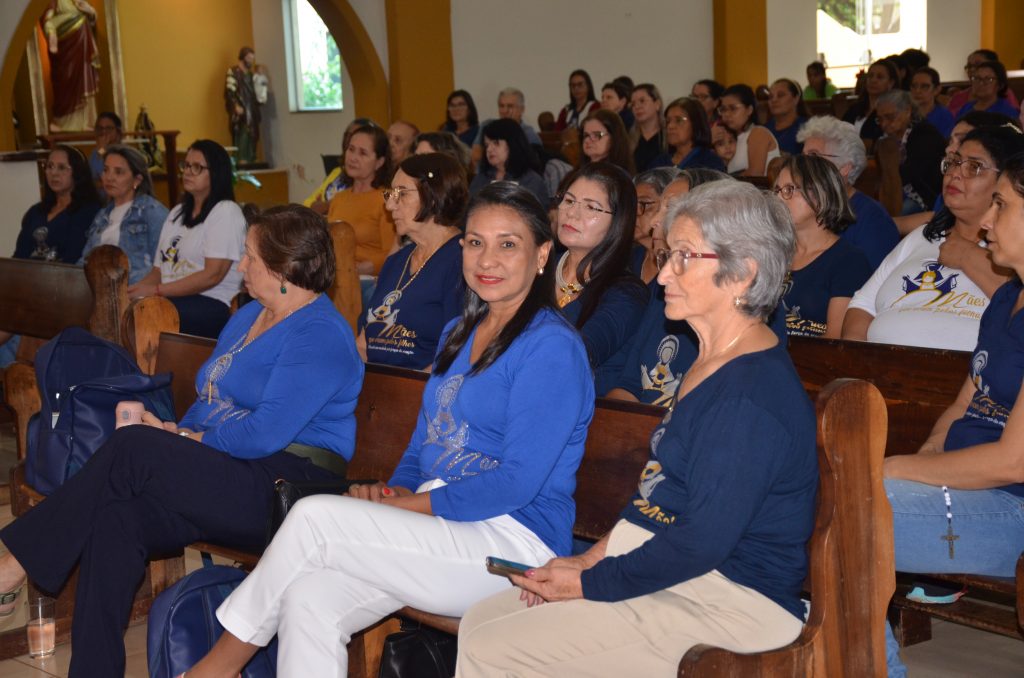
41,628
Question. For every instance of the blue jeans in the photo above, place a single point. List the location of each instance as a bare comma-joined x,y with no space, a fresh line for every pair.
989,525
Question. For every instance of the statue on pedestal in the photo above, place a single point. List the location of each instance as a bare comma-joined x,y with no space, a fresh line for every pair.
69,26
243,106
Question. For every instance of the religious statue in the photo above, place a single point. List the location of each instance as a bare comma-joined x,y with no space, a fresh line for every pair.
149,146
69,26
243,105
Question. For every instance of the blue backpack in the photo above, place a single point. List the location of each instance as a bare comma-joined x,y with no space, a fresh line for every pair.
183,627
81,379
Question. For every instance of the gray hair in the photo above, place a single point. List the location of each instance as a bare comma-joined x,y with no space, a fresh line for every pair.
742,224
137,164
898,98
841,140
513,92
659,177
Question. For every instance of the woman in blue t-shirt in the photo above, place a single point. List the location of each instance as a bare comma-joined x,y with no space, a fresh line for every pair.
713,546
595,288
490,469
958,504
826,270
420,286
277,393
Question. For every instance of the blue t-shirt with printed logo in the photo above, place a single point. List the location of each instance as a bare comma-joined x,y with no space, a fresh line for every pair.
997,370
839,271
408,310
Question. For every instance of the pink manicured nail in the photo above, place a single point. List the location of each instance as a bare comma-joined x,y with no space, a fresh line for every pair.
530,573
387,492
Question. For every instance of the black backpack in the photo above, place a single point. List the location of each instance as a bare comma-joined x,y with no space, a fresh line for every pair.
81,379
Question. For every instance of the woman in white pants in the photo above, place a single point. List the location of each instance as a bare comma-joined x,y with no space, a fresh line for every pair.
490,470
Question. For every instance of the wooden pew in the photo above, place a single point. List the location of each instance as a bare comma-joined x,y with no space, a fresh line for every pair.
918,384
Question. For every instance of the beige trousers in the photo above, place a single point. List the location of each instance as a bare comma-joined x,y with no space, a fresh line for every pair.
645,636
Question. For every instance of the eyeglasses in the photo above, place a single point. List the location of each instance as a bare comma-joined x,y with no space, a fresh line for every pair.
395,193
57,167
983,80
786,192
594,136
643,205
723,110
590,210
700,97
676,119
679,259
103,129
818,154
193,168
967,167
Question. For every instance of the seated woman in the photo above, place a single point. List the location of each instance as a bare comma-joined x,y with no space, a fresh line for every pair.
201,243
508,157
615,98
789,113
958,504
818,85
755,145
825,270
133,218
285,370
881,77
713,546
420,286
647,135
595,289
989,88
361,205
582,101
337,181
490,470
925,86
461,118
444,142
709,94
55,229
650,186
933,288
922,148
603,137
688,137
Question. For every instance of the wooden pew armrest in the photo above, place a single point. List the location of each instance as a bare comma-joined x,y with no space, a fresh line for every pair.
21,392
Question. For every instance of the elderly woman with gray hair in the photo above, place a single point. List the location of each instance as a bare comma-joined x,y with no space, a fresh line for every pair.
712,547
133,218
874,232
922,148
649,187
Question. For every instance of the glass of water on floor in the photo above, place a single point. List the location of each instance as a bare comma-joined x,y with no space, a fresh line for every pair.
41,629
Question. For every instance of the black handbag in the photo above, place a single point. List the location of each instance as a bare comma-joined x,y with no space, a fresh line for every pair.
286,493
418,652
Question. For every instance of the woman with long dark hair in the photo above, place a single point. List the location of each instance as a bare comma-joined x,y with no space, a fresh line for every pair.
603,137
596,291
508,157
688,136
461,118
489,471
881,77
582,101
647,135
788,114
755,145
201,243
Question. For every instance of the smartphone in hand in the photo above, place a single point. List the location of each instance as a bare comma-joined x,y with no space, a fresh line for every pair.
504,568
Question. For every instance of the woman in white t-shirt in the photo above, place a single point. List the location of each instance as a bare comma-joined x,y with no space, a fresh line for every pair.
202,241
933,287
133,218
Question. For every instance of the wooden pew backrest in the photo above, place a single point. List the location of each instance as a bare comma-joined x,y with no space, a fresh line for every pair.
183,355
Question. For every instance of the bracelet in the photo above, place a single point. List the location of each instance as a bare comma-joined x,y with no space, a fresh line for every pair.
184,433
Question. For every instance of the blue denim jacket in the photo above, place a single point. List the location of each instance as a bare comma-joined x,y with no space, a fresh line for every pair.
140,234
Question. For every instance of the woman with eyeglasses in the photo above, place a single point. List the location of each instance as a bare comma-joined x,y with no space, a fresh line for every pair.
647,135
712,548
133,218
709,94
933,287
596,291
958,504
420,287
961,97
603,137
201,243
461,118
508,157
989,87
755,145
688,137
881,77
925,86
361,204
825,270
582,101
788,114
650,187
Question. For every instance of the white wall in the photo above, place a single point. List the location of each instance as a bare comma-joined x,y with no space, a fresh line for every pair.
954,31
792,39
535,44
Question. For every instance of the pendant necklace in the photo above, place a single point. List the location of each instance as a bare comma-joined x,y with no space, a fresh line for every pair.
569,290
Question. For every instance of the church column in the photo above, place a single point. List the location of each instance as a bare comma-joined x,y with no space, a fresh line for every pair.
420,60
741,42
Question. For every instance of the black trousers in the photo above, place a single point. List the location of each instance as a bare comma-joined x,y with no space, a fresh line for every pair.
201,315
144,492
